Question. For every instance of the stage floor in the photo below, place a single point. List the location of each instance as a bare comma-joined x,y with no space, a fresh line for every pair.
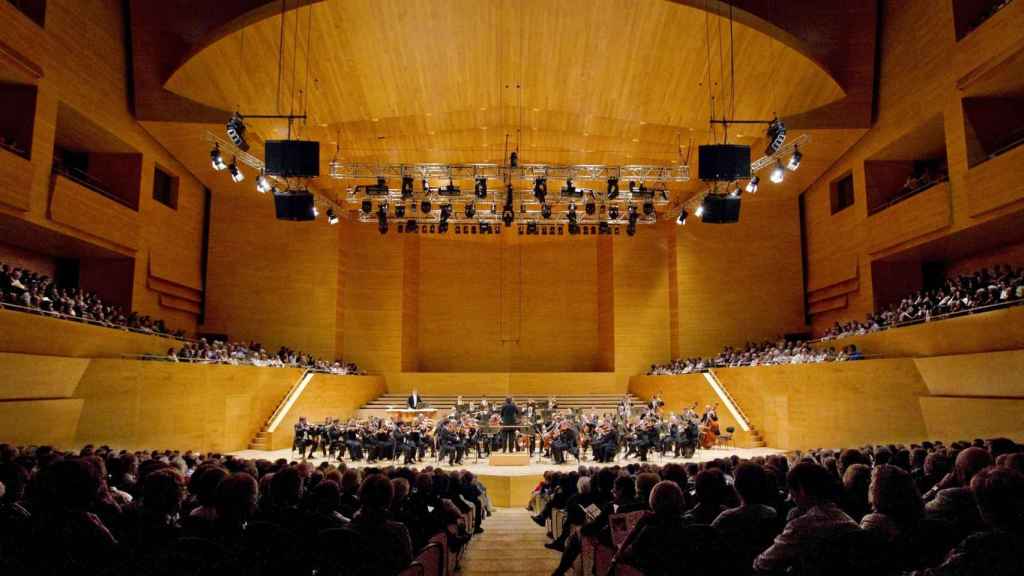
534,468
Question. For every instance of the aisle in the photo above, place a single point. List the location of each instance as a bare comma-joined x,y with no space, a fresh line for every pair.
511,544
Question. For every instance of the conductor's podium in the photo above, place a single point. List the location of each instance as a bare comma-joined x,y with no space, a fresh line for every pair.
509,459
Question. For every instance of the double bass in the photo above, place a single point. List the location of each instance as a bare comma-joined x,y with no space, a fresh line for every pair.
709,429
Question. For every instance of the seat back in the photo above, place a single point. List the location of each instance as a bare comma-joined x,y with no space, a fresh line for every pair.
340,551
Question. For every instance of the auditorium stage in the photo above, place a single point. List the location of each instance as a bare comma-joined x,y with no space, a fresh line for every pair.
511,485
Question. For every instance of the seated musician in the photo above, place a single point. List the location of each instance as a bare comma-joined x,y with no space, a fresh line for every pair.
353,437
605,443
452,444
567,441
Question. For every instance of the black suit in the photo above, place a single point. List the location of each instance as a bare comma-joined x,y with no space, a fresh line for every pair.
414,401
509,418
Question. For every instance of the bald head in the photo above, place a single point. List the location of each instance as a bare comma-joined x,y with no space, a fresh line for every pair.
969,462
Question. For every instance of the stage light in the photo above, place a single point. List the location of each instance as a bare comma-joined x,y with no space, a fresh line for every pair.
531,227
425,186
545,211
736,192
571,213
400,210
570,188
316,211
699,212
470,210
591,205
540,189
236,174
794,160
262,183
513,159
778,173
613,188
367,206
648,207
217,159
613,213
406,186
776,136
410,225
480,187
633,214
681,220
332,218
236,131
752,185
425,206
631,228
382,218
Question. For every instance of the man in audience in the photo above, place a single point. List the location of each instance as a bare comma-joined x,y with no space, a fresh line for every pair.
951,500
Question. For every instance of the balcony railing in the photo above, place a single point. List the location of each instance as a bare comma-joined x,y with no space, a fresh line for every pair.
92,183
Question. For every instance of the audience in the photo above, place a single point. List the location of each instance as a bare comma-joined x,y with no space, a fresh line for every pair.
253,353
26,289
59,514
758,354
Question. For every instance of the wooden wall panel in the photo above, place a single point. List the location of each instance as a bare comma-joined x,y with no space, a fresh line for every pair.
951,419
996,183
31,334
93,214
40,422
910,219
989,374
1012,255
606,304
499,384
25,376
327,396
155,405
830,405
20,258
16,174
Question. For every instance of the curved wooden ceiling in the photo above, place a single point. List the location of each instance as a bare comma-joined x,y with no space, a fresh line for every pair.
606,81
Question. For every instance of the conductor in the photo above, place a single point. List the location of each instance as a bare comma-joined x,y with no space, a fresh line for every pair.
414,401
509,419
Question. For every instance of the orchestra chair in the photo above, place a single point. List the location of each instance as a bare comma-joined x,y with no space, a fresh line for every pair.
727,438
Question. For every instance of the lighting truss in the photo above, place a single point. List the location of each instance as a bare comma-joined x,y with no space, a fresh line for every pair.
785,150
637,172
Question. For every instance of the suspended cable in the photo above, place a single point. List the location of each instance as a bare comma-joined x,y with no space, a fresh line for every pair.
280,56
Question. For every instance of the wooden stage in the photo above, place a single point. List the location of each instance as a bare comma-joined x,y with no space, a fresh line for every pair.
512,485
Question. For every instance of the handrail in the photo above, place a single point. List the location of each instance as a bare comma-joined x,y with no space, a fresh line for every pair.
946,316
230,362
289,401
93,322
728,400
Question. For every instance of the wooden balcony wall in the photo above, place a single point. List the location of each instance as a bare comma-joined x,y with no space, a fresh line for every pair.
88,211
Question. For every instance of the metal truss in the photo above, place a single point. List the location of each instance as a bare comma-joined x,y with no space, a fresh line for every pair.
632,172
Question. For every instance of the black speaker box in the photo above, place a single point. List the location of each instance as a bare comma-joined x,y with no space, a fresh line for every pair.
292,158
720,209
723,162
296,206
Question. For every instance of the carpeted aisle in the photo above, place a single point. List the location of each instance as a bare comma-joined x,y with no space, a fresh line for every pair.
511,544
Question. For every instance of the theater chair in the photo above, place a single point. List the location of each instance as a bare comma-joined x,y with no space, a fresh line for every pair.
431,561
727,438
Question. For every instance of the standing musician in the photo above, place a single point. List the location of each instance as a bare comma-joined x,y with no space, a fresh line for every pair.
709,429
624,409
414,401
302,438
655,403
485,405
509,419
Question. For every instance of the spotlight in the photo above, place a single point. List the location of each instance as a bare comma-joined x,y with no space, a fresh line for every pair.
699,212
648,207
236,174
736,192
332,218
631,228
480,188
446,212
545,211
794,160
367,206
400,210
382,218
613,213
591,205
425,206
570,188
262,183
406,186
216,159
778,173
410,225
571,214
531,228
752,185
633,214
776,136
513,159
442,227
540,189
681,220
316,211
470,210
425,186
613,188
236,132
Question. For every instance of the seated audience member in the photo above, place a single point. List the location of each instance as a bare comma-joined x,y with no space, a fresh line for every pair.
710,490
237,496
898,520
387,543
152,522
856,481
816,521
750,527
996,551
951,500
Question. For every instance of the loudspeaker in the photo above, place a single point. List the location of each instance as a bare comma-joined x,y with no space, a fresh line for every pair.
723,162
292,158
720,209
296,205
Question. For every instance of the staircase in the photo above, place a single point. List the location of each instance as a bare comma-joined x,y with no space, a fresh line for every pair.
600,403
263,440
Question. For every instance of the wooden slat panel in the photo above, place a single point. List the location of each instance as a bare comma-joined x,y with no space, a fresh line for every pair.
996,183
912,218
86,211
31,334
836,268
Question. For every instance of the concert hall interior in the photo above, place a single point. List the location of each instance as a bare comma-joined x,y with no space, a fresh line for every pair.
347,286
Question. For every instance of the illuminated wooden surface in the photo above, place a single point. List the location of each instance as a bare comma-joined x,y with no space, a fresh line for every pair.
33,334
325,396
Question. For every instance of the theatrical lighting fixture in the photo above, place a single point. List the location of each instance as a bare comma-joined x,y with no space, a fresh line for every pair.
681,220
571,214
633,214
794,160
332,218
236,132
400,210
513,159
648,207
613,213
480,187
367,206
778,173
540,189
591,205
736,192
425,206
699,212
217,159
752,185
382,218
531,228
570,189
262,183
406,186
316,211
604,228
776,136
631,228
410,225
470,210
236,174
485,227
613,188
545,211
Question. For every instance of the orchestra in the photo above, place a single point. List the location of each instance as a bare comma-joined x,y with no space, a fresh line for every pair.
542,430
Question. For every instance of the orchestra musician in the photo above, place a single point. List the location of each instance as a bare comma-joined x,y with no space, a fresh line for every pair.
509,419
567,441
655,402
354,440
414,401
301,439
452,445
